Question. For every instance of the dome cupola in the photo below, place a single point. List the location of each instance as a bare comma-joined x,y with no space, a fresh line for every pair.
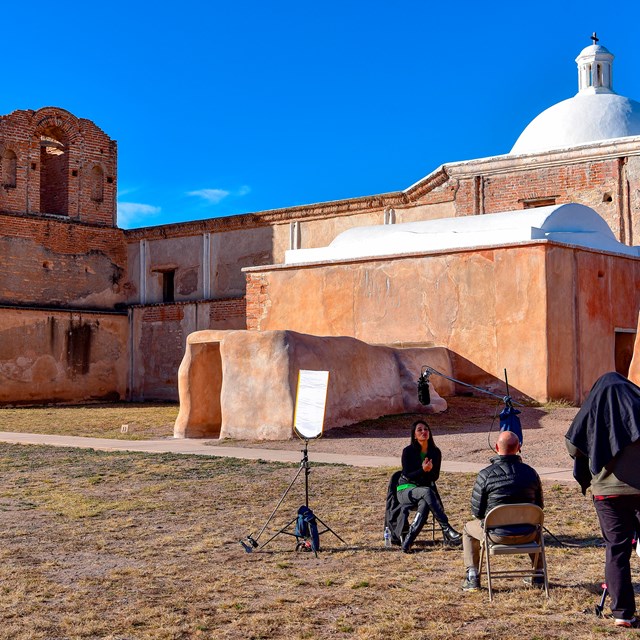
595,113
594,69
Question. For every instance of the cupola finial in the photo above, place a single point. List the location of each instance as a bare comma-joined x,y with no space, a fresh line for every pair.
595,68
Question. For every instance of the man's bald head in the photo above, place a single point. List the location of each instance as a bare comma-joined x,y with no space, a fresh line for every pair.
507,443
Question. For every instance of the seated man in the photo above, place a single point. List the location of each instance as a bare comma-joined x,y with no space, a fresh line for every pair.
507,480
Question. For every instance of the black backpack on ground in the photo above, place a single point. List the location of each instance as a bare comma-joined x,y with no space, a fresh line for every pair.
307,528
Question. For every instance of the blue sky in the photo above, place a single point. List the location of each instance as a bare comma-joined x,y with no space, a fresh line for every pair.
221,108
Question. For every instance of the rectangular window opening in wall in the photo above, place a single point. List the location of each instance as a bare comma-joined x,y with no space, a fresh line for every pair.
624,342
534,203
168,284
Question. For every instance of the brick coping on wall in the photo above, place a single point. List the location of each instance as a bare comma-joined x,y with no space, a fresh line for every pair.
335,208
17,307
52,217
184,302
420,254
117,312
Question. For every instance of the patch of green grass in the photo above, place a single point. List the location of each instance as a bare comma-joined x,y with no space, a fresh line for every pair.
360,584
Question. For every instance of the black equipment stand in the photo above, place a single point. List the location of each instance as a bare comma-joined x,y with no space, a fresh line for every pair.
600,606
302,543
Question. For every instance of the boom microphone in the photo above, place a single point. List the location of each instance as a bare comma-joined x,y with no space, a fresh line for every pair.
424,395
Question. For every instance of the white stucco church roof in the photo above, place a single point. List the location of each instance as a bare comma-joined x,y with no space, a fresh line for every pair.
595,113
573,224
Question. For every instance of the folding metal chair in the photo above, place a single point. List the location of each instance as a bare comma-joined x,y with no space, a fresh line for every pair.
511,515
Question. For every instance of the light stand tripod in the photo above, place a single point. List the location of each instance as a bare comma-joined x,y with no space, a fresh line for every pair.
305,540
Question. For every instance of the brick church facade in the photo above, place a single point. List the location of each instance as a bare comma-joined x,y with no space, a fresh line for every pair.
91,312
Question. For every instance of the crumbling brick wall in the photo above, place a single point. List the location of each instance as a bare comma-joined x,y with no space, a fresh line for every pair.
54,163
51,263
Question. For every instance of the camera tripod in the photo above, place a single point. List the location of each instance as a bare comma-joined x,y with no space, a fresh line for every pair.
306,540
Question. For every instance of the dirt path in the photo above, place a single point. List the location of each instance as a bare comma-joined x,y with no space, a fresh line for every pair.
465,432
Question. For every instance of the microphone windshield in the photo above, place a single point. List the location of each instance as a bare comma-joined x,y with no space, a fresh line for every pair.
424,395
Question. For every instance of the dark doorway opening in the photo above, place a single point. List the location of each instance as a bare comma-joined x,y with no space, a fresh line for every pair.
168,286
624,342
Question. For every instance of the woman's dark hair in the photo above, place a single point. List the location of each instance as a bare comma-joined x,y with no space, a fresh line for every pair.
414,442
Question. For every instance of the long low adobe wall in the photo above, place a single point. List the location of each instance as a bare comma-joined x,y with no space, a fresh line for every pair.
49,356
545,312
243,384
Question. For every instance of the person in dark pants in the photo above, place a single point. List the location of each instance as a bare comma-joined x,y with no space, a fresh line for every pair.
421,462
604,441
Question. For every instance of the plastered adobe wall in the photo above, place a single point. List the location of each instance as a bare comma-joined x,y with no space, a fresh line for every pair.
542,318
58,356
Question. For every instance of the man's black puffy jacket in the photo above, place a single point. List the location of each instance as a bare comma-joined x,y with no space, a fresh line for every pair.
507,480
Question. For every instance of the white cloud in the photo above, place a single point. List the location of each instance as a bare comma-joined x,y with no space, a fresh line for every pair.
213,196
125,191
131,213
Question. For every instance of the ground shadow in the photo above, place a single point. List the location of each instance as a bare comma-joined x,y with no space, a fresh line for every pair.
465,414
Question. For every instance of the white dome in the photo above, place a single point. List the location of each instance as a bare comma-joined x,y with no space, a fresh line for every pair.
596,113
579,120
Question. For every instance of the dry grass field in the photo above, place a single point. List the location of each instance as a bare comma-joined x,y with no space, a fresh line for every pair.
132,546
143,420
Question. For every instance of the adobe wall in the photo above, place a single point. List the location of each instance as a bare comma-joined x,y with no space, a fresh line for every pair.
207,264
52,263
539,310
58,356
54,163
608,298
158,339
475,303
242,384
227,245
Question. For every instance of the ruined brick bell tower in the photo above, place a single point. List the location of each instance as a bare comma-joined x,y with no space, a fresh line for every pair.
55,164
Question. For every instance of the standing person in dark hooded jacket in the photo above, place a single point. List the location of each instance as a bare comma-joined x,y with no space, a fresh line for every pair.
604,440
421,462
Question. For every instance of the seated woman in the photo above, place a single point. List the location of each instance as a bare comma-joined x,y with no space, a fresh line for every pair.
421,462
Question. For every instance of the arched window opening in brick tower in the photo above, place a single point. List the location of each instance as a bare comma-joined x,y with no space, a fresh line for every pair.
54,173
9,168
97,184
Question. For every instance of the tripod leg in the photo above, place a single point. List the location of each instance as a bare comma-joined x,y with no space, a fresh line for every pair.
328,528
273,513
277,533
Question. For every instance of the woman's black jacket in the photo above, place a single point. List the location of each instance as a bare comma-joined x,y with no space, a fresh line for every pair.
412,465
